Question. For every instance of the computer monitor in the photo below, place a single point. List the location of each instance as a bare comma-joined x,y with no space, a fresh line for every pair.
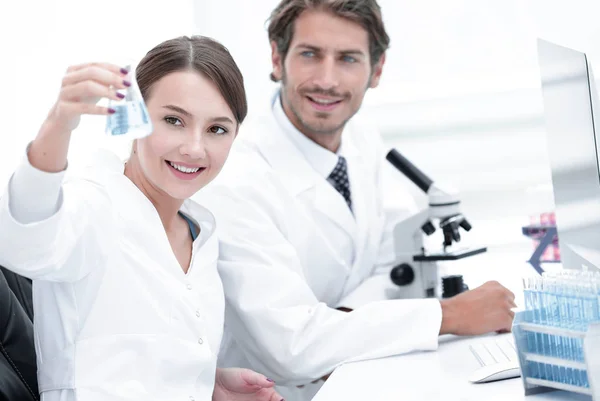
573,138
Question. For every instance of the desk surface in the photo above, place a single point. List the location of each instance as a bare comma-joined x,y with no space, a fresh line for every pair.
427,376
442,375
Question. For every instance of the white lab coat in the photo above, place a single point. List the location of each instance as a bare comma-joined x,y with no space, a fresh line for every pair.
116,318
282,228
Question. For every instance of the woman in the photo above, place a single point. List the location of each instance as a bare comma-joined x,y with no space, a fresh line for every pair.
128,302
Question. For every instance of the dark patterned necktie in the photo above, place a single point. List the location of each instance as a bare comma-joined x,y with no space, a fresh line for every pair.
339,179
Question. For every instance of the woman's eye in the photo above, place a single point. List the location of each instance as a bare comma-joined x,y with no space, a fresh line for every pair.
215,129
173,121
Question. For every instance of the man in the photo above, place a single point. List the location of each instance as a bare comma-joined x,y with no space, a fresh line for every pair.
305,235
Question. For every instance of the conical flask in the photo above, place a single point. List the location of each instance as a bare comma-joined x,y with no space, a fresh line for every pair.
131,118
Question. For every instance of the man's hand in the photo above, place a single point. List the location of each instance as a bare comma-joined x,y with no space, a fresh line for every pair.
482,310
243,385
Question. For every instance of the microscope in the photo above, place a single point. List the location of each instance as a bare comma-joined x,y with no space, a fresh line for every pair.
416,271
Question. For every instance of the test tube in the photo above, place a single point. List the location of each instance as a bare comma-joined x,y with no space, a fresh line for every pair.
532,343
577,305
560,372
540,339
573,323
578,324
546,338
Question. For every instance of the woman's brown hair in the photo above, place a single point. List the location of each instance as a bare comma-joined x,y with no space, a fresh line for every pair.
199,53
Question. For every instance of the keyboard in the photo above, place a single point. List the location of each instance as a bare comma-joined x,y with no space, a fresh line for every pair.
495,351
497,358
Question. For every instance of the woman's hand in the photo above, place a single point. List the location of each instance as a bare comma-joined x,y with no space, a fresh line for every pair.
82,87
243,385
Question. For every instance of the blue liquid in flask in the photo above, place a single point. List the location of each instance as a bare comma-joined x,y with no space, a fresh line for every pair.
131,118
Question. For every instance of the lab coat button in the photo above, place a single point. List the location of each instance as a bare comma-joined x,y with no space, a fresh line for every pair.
200,341
191,398
198,313
189,286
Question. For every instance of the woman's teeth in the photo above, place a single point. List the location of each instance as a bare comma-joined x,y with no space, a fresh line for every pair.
187,170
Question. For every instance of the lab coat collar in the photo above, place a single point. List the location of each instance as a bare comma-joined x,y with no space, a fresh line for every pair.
114,167
298,176
321,159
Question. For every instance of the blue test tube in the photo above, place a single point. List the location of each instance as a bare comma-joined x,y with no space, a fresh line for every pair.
530,336
591,313
560,372
546,347
537,319
565,318
575,310
553,340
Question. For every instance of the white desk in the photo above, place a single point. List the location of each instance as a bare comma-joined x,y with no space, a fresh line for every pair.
442,375
426,376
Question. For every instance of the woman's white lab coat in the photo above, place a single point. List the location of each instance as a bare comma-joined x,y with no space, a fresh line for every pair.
116,318
284,233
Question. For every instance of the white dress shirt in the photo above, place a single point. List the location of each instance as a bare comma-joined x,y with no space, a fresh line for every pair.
116,317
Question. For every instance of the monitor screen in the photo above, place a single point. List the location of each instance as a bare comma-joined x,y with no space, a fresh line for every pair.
567,90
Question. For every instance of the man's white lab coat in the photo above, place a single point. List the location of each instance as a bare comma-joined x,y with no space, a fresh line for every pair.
291,251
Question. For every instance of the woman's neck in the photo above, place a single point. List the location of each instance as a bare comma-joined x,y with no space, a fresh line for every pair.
166,206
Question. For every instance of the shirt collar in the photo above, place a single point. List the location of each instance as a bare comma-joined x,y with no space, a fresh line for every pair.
321,160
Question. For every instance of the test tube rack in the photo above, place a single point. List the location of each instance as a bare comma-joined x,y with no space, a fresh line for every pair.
591,347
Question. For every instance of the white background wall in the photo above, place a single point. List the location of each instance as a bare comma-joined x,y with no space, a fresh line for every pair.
459,96
39,39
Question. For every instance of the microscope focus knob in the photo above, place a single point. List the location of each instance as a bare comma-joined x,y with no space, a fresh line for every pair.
402,274
428,228
465,225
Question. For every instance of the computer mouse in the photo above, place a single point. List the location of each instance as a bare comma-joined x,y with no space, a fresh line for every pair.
496,371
